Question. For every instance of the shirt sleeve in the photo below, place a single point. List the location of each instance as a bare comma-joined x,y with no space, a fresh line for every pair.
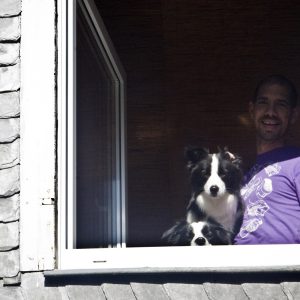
297,181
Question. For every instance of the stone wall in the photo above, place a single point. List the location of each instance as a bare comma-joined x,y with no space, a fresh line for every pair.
10,15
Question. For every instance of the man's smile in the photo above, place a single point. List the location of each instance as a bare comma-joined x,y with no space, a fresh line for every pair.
270,122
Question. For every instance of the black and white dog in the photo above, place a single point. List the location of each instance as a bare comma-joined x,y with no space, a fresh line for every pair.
215,211
202,233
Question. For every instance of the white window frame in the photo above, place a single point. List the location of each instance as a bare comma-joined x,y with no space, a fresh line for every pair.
248,256
68,120
37,132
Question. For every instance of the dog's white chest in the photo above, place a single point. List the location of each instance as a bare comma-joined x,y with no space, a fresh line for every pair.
223,210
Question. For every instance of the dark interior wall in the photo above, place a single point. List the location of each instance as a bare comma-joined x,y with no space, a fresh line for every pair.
191,69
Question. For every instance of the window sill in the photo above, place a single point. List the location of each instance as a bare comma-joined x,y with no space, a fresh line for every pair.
200,258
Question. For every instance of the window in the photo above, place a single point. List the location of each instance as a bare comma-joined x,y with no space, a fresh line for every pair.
99,225
93,136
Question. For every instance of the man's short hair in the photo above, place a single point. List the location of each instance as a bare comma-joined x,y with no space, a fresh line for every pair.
280,80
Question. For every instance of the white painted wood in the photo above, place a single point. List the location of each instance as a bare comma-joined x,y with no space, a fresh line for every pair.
37,149
65,88
67,122
214,257
61,115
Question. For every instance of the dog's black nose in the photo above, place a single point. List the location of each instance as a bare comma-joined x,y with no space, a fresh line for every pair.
214,190
200,241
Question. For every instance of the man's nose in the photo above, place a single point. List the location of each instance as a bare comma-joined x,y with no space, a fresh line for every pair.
271,110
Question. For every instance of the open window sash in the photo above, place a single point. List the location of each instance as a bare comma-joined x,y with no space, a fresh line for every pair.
91,137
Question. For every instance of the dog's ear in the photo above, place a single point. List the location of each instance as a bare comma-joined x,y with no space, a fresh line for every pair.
221,236
181,234
217,234
193,155
235,159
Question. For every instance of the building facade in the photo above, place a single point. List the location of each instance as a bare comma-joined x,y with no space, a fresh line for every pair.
31,93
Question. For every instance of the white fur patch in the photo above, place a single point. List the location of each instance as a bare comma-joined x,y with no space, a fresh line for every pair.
231,156
197,228
222,209
215,179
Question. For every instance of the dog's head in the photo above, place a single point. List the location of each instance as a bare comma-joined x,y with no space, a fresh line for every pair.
214,233
214,174
197,234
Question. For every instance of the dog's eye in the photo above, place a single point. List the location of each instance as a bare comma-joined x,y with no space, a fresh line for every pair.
203,172
222,173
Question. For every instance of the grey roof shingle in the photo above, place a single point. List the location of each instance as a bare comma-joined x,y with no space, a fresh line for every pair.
118,291
262,291
225,291
149,291
179,291
163,291
148,284
291,289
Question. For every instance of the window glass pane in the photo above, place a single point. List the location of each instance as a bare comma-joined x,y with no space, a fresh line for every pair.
191,68
180,92
95,141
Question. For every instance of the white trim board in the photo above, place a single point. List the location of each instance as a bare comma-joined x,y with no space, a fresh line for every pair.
37,149
206,257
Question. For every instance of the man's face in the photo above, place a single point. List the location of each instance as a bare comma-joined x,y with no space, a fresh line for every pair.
272,113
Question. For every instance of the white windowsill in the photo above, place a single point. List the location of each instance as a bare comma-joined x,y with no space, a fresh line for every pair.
206,258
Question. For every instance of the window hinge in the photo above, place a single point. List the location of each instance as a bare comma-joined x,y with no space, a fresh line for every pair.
48,201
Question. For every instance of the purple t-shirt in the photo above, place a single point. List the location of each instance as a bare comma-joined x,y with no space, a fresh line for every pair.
271,194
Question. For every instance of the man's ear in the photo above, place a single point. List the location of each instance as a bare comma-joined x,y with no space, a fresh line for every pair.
294,115
251,109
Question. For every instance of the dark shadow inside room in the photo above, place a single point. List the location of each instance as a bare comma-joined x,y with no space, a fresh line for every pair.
191,68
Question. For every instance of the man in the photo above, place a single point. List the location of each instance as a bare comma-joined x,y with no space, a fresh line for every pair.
272,187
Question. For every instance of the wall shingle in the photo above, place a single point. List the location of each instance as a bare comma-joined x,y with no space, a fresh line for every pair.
9,263
10,208
9,130
10,32
10,8
10,29
9,53
10,78
9,236
9,181
11,293
10,154
9,105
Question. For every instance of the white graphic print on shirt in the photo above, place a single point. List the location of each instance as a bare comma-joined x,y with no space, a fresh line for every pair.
257,208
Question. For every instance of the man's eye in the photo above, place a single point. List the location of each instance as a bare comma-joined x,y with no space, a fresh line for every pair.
261,102
283,104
